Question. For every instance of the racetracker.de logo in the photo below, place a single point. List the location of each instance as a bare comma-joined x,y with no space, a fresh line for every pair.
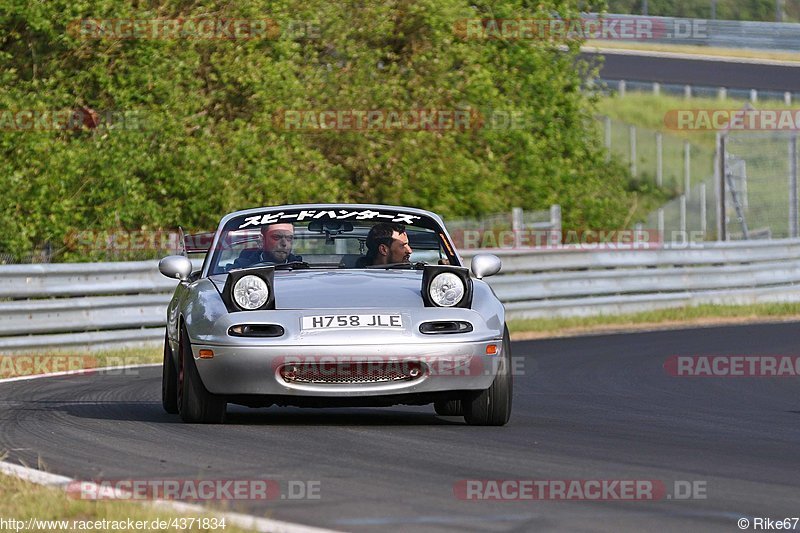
175,29
351,369
311,120
733,119
194,489
535,239
577,489
83,118
28,365
124,240
553,29
732,366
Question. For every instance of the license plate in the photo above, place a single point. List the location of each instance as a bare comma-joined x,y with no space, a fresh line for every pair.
352,322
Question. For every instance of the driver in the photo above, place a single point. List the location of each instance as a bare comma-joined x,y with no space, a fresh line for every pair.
278,240
387,244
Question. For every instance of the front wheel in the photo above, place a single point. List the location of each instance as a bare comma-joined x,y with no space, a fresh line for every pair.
492,407
169,381
449,408
195,404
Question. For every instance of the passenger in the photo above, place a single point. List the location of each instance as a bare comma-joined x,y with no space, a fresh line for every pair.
387,244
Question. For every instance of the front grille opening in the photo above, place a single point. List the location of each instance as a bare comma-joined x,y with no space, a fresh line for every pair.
445,326
352,372
256,330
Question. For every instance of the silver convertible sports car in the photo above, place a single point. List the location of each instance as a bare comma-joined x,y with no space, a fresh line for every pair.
334,306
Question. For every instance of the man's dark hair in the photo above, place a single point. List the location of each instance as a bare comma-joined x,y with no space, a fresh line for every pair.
381,233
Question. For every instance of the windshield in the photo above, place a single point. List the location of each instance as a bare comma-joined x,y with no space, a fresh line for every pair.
340,237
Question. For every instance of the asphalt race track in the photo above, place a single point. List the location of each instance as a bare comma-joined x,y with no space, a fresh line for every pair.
587,408
699,72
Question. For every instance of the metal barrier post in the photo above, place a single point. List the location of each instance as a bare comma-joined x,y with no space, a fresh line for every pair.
687,168
719,178
793,230
659,160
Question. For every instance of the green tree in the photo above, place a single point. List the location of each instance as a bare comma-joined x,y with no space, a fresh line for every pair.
213,141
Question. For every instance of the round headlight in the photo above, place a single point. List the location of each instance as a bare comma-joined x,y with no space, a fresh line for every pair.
446,289
250,292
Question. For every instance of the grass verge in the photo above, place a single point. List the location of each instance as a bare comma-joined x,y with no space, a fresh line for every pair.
23,501
130,356
47,361
592,45
648,110
701,315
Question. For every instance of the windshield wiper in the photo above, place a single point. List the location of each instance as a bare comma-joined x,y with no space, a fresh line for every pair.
292,265
281,266
419,265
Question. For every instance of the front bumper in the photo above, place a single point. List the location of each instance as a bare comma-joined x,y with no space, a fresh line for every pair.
257,370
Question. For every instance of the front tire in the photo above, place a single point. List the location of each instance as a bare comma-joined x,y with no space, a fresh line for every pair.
492,407
195,404
449,408
169,381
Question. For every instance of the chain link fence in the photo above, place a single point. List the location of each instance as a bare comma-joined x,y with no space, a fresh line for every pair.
623,87
683,169
760,185
42,254
752,193
663,160
98,245
484,232
691,217
139,245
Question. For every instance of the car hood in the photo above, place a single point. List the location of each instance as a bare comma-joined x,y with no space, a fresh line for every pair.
310,289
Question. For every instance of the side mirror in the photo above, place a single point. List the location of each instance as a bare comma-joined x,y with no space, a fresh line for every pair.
484,265
176,267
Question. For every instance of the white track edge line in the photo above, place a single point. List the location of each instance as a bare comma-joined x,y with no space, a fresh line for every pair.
86,371
262,525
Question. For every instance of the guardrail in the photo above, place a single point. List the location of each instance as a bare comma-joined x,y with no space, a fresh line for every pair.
624,87
102,305
777,36
581,282
82,305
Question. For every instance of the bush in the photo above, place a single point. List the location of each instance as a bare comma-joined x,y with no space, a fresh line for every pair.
211,143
